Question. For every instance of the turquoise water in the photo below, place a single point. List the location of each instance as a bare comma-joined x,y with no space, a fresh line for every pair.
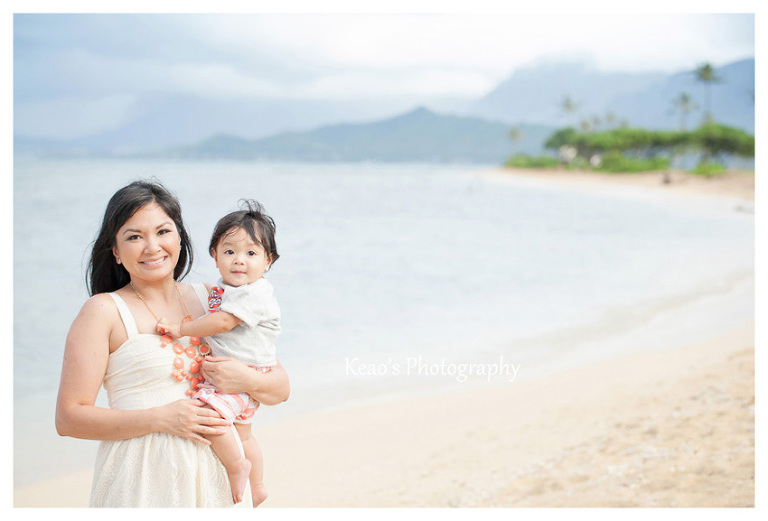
382,265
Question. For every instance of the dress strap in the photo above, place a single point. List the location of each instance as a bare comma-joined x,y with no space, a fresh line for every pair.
125,314
202,294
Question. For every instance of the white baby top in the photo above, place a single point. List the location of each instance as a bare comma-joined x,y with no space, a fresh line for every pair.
253,340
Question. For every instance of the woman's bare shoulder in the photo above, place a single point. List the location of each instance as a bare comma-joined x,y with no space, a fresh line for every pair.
189,291
100,305
189,286
96,322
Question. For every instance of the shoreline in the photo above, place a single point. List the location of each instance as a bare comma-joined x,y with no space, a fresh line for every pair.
415,451
737,185
670,428
662,429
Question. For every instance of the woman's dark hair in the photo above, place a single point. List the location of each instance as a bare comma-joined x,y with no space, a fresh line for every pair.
104,274
254,220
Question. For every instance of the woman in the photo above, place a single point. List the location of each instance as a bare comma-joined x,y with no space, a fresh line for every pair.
152,451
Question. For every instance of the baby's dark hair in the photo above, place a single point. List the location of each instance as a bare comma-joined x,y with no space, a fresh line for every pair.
254,220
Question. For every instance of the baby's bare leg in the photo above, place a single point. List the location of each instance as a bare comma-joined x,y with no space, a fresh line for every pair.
253,453
225,446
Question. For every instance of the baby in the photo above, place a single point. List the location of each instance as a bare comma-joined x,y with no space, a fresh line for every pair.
245,326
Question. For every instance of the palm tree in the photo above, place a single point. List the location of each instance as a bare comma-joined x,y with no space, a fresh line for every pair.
705,74
515,134
569,106
684,103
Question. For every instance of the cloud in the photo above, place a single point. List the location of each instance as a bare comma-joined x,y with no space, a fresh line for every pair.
70,118
279,55
99,62
377,84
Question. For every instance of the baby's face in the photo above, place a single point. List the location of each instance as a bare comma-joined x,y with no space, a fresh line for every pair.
239,259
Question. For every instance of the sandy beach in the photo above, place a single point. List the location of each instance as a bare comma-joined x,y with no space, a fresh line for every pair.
662,430
736,184
672,428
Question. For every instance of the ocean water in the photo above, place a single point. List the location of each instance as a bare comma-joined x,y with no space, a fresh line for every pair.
393,280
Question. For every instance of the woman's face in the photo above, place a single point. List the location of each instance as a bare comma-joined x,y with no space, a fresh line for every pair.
148,244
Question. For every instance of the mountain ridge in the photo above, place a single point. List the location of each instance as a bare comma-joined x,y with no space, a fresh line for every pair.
529,98
535,95
417,135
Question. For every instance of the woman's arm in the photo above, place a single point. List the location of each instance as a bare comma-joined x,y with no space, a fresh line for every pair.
85,363
228,375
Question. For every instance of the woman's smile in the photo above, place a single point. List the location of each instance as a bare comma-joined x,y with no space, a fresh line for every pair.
155,262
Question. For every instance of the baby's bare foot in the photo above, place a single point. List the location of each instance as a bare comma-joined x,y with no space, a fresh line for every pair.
259,494
238,479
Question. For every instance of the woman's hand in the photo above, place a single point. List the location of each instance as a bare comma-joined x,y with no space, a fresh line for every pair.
228,375
189,419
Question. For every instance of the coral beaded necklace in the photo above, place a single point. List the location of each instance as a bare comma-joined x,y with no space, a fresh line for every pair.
195,351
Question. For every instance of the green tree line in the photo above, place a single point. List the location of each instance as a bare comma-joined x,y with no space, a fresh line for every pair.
712,139
626,149
638,149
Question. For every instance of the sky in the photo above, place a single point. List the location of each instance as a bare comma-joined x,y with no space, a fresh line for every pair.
80,74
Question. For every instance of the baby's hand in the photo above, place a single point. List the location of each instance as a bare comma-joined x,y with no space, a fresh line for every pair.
166,328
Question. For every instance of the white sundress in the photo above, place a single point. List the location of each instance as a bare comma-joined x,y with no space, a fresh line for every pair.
155,470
